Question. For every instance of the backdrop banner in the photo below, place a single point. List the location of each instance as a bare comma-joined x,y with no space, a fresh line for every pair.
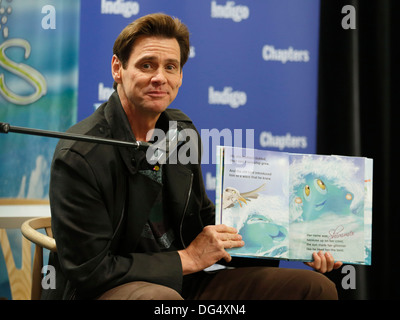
251,79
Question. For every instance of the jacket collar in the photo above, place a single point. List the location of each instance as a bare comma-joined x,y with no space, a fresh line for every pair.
120,129
178,178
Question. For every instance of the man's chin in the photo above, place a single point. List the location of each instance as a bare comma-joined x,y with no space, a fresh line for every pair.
157,109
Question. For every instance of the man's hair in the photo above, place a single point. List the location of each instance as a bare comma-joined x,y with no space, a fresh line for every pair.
156,24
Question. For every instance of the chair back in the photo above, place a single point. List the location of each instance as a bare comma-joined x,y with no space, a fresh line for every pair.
30,231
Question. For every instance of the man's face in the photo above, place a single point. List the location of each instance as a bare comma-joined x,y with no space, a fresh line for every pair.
152,76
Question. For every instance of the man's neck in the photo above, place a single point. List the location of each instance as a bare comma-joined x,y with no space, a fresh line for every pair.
141,123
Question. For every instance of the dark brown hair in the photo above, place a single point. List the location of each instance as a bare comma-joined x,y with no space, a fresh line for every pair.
156,24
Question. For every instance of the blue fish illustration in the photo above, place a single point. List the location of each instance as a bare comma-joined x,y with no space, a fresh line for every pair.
260,234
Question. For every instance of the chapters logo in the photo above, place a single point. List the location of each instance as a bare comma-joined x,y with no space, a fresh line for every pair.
270,53
268,140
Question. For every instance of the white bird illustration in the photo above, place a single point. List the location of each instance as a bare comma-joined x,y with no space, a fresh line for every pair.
231,195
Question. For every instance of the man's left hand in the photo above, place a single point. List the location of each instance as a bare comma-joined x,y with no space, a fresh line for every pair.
323,262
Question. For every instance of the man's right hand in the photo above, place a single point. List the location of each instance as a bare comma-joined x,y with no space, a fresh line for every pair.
209,247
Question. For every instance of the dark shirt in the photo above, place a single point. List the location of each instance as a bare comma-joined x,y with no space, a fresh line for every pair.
157,235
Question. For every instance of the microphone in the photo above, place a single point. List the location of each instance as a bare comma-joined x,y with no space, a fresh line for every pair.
138,145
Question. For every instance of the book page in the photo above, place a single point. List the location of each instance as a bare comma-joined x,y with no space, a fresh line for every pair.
255,200
368,210
327,207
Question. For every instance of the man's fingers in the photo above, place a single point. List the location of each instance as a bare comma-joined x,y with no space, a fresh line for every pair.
324,266
227,235
316,264
228,244
324,262
330,262
224,229
231,239
223,237
227,257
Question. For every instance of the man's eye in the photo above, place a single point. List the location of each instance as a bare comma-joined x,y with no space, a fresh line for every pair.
171,67
146,66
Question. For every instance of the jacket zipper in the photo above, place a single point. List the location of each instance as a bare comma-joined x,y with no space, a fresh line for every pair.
185,208
119,222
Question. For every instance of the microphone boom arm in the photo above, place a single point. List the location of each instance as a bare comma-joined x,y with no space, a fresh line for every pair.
6,128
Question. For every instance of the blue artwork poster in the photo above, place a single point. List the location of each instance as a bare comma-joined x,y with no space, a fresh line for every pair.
38,88
39,52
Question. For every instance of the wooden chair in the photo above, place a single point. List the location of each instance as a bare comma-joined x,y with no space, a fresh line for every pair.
29,230
20,279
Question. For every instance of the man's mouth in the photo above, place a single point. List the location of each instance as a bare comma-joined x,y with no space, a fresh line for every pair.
157,93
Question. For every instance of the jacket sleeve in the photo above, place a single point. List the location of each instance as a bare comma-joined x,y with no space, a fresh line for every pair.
207,210
83,230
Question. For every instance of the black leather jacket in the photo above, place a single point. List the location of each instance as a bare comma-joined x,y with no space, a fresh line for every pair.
100,203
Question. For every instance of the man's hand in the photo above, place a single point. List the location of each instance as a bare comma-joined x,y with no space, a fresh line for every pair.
323,262
209,247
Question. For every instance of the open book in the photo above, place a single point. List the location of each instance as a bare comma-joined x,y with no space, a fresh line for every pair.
287,206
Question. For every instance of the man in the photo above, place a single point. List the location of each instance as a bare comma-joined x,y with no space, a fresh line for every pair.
128,229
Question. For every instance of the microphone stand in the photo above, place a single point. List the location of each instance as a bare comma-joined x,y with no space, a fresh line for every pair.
139,145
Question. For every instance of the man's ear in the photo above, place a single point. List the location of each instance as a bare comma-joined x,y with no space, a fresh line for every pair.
116,67
180,82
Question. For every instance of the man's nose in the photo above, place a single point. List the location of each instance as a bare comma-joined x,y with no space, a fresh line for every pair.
159,77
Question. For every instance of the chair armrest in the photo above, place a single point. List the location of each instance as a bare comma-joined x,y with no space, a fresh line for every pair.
29,231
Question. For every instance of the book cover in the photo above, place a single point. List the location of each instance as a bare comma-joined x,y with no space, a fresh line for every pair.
287,206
